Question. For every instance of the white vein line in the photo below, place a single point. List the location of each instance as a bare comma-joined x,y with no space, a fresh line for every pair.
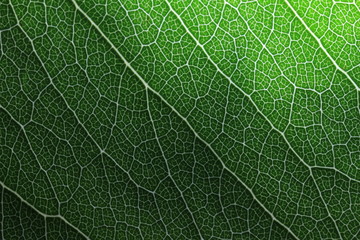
102,151
273,127
167,165
255,105
1,183
183,118
46,229
22,127
23,200
321,45
41,213
2,214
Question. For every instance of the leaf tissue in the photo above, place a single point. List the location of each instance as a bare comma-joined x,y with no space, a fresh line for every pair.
168,119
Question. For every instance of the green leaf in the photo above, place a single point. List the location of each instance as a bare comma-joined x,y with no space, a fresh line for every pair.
180,119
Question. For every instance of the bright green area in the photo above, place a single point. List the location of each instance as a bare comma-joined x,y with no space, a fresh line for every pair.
180,119
337,25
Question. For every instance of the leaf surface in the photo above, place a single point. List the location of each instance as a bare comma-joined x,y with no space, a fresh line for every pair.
180,119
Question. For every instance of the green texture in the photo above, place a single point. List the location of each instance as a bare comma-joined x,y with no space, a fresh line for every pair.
169,119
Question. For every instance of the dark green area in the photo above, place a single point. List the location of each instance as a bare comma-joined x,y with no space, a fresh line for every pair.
21,221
